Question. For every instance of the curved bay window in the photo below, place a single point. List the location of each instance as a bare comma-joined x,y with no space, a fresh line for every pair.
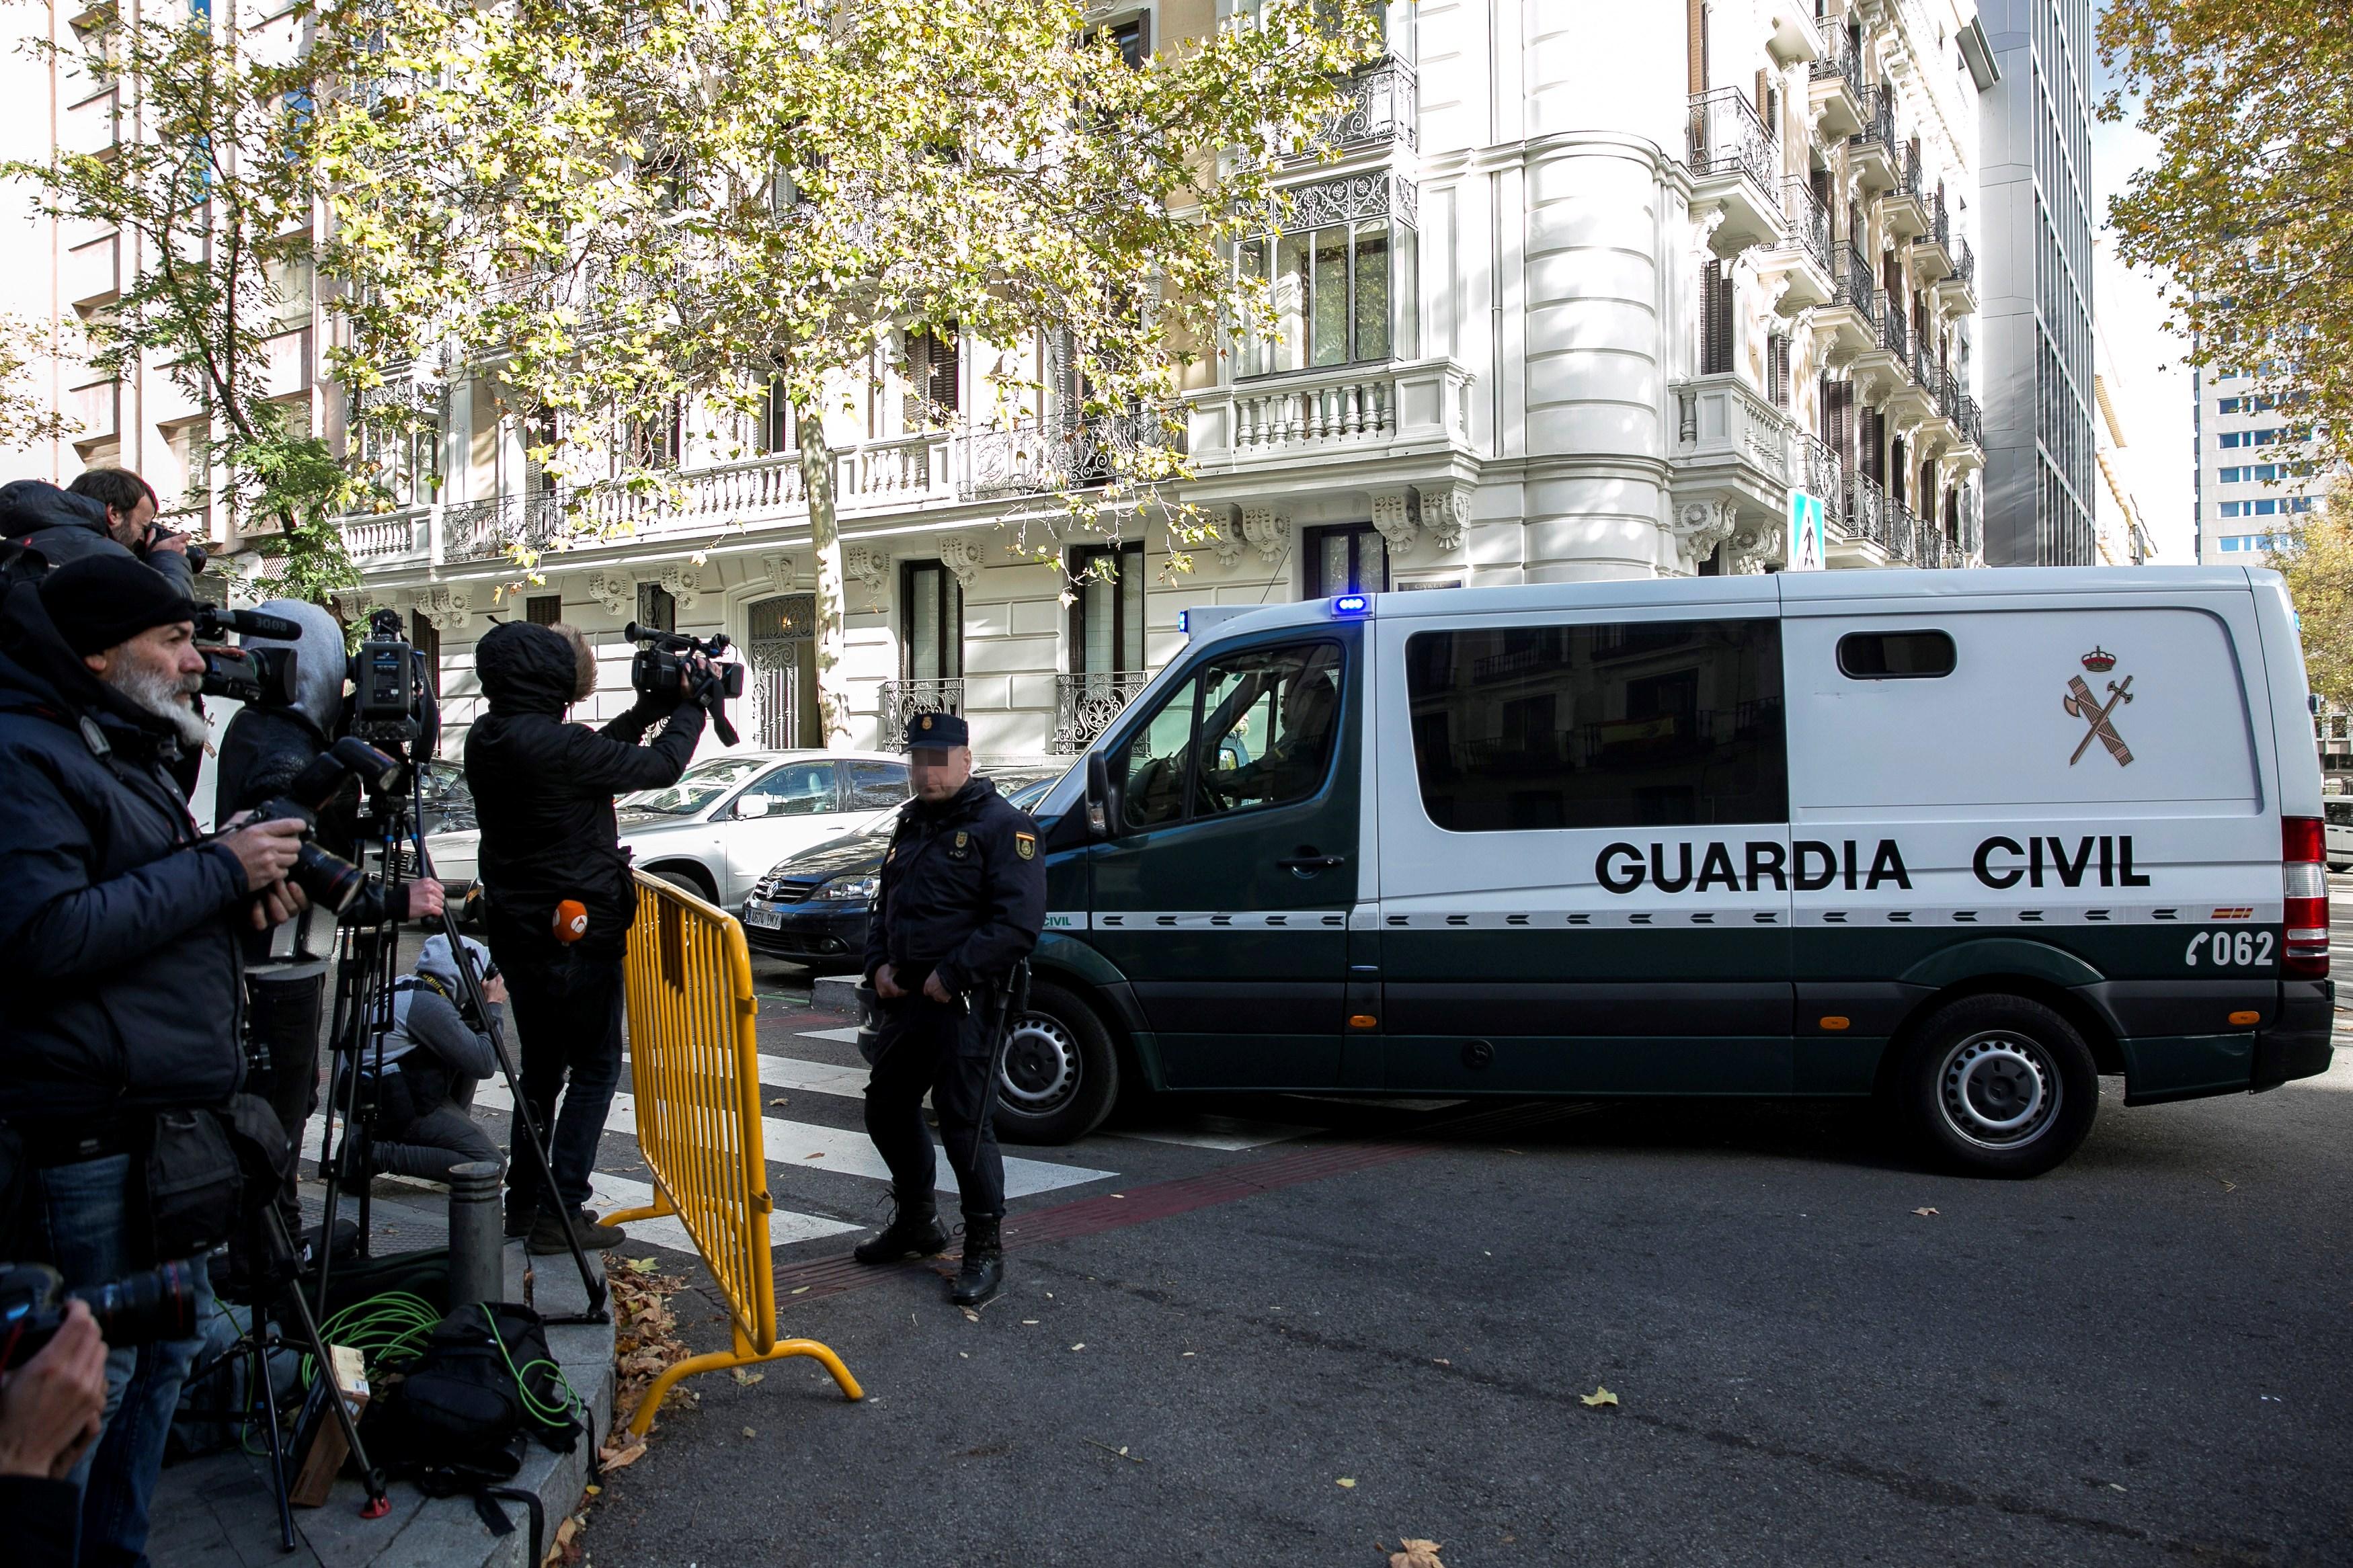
1340,274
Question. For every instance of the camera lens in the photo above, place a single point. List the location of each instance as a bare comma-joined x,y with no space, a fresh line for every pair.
142,1308
329,880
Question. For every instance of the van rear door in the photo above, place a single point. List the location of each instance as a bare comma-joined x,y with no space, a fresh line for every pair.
1584,842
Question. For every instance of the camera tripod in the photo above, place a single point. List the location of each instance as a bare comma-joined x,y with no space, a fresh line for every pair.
367,962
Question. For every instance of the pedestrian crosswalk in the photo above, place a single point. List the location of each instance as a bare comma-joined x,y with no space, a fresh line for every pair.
837,1165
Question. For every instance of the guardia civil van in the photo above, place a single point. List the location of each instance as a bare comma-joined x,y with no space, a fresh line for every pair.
1963,841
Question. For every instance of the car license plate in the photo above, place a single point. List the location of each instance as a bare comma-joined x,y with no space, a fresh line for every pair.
767,919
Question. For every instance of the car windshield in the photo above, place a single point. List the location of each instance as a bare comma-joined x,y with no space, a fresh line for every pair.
696,788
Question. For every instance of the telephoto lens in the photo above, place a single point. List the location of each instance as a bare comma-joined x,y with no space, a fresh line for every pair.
136,1310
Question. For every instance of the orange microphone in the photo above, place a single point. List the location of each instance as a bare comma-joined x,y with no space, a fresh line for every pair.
571,921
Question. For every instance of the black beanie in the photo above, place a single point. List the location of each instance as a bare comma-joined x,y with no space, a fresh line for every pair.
102,600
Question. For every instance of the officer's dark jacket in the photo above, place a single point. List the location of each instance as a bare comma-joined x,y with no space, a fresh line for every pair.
543,789
123,989
958,895
63,526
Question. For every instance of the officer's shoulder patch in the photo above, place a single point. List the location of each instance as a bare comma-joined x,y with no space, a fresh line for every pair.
1025,844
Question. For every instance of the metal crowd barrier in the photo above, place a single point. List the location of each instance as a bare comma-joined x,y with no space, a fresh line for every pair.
694,1067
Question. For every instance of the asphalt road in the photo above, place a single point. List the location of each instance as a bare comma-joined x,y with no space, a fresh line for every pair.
2141,1356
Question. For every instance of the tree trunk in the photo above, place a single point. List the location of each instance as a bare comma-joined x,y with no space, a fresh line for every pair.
825,536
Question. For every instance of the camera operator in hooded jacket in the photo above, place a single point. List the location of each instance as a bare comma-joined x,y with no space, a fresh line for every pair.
264,750
121,927
544,795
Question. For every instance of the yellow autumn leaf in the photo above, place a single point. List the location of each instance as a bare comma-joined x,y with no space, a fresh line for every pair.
1599,1395
644,1264
746,1379
1345,1481
1416,1554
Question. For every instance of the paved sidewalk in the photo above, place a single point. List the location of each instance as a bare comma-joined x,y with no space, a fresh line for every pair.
217,1512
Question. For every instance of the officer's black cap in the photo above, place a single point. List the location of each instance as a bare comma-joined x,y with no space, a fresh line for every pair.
936,732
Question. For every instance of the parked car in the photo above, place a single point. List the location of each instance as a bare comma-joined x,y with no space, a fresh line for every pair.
728,820
2336,814
812,908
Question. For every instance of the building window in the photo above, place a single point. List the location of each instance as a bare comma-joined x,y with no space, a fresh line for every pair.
1133,38
406,463
931,640
1351,559
932,384
426,638
1715,321
2228,406
1107,614
1650,724
1339,277
657,610
543,609
1776,370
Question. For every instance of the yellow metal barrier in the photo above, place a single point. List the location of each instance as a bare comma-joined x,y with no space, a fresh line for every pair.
694,1067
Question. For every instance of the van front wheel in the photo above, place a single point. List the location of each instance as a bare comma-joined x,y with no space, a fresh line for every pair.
1998,1086
1060,1074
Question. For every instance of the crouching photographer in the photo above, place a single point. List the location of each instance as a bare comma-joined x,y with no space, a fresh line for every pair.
267,752
121,1018
558,894
422,1082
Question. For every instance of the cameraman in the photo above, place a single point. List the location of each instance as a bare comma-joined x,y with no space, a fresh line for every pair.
262,751
105,511
434,1053
121,927
544,795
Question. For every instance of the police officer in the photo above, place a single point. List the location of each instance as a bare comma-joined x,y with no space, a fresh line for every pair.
962,901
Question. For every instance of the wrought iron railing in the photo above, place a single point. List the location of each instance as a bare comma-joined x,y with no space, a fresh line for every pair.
1894,333
1903,531
1878,119
1382,107
903,699
1085,704
1940,223
1925,369
1928,545
479,530
1866,510
1838,59
1965,267
1042,458
1825,479
1971,419
1907,161
1727,138
1851,282
1810,220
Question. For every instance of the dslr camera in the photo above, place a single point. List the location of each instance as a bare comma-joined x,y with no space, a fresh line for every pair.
140,1309
198,554
329,879
662,658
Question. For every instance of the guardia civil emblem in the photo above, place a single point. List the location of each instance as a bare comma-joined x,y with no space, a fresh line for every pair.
2098,717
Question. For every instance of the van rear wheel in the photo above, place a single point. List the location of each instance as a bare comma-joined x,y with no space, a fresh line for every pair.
1060,1074
1997,1086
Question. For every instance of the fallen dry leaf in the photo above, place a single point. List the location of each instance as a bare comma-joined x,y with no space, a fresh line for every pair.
1349,1481
800,1289
748,1432
1415,1553
1079,1346
780,1099
644,1264
745,1379
1599,1395
818,1155
970,1316
1439,1361
1925,1213
622,1458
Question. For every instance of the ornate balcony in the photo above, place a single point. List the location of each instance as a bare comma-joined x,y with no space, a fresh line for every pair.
1904,208
1736,164
903,699
1732,453
1383,109
1957,292
1825,479
1042,458
1864,519
1085,704
1852,312
1803,259
1834,88
1932,251
387,537
1871,149
1413,418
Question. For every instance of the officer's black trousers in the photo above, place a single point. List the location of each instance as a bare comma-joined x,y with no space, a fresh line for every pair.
927,1047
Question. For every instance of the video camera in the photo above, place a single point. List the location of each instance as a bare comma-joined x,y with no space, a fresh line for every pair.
330,880
136,1310
662,660
392,694
261,675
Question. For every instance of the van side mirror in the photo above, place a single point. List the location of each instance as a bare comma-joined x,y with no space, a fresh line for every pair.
1099,814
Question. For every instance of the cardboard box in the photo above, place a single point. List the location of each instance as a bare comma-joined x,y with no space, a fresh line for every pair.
320,1437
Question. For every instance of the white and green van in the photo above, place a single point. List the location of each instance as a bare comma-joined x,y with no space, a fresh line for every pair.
1961,840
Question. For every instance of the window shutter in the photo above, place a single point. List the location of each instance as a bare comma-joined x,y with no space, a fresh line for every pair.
1716,321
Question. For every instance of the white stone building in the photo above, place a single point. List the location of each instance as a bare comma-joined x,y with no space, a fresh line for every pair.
1591,291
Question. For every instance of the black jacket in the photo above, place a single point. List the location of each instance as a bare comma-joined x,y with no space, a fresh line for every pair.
543,789
264,750
123,989
66,527
964,891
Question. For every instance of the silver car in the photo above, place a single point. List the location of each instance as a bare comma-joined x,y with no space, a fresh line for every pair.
718,829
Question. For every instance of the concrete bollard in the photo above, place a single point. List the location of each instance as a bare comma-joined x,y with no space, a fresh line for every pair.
476,1271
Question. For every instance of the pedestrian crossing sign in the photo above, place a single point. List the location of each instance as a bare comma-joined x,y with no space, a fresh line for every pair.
1806,543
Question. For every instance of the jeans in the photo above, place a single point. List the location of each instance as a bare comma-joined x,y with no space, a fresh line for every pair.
927,1048
434,1144
567,1006
86,1216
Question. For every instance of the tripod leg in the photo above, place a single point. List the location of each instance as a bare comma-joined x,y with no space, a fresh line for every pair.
377,1504
265,1399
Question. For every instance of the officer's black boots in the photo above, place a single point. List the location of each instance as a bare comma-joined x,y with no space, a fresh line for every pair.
914,1231
983,1274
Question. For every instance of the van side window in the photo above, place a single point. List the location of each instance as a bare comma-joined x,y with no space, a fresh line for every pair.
1895,656
1254,728
1643,724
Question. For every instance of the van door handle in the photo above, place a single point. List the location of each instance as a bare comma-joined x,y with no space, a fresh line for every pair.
1308,865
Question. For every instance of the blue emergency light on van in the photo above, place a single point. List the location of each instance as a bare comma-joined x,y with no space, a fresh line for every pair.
1352,605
